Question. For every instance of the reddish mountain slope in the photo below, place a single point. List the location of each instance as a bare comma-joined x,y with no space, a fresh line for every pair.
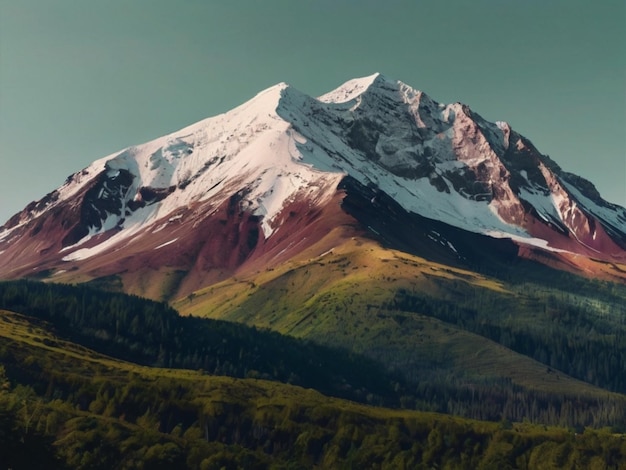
260,184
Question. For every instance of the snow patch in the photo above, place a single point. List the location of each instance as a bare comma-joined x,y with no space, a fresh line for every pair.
349,90
611,213
538,242
135,223
166,243
543,203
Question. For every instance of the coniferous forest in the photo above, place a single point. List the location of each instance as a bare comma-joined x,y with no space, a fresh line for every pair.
92,379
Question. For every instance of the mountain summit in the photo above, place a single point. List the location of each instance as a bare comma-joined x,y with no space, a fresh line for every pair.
285,173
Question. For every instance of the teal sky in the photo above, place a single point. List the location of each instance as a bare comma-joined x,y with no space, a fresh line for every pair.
82,79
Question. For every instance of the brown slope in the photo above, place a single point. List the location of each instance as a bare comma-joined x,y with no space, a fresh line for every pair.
189,249
201,245
34,248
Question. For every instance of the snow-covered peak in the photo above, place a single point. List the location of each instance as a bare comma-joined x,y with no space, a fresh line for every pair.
443,162
355,88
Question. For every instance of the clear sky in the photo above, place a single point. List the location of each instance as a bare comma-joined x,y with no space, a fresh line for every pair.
82,79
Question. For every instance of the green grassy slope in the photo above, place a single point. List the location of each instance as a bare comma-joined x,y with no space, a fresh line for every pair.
551,337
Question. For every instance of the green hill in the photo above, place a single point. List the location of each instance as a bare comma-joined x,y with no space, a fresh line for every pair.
65,406
534,343
151,333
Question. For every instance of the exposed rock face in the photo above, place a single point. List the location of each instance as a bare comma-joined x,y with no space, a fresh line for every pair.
276,175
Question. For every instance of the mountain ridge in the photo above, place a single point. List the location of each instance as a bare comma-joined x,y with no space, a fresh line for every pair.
278,160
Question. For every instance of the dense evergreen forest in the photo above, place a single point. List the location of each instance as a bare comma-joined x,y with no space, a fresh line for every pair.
569,340
151,333
572,325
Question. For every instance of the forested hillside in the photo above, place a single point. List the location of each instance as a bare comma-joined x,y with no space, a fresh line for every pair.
530,343
152,333
65,406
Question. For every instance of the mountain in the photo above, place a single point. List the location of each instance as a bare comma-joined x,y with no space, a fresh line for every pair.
415,254
285,173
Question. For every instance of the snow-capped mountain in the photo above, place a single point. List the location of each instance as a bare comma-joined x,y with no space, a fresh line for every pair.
275,174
